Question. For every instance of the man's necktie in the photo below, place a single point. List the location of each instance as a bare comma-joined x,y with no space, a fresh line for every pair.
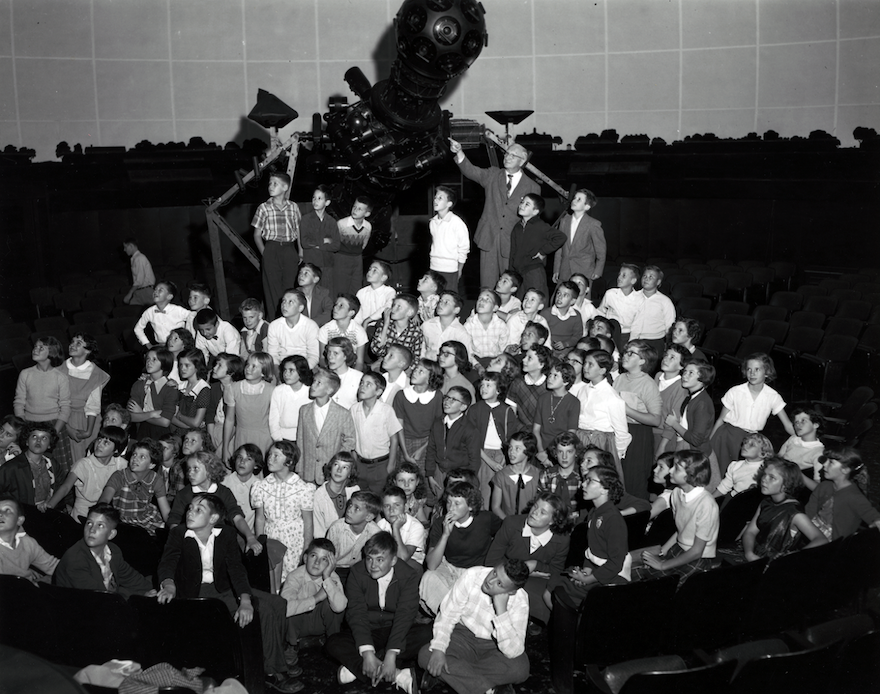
509,184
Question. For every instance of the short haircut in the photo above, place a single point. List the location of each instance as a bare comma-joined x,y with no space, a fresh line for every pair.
206,316
153,449
166,359
765,446
540,293
347,349
501,383
493,294
705,371
332,377
371,502
766,360
377,378
569,438
455,296
814,416
438,279
395,491
170,287
599,320
792,477
696,466
607,344
10,498
90,344
354,304
322,189
668,459
382,542
214,502
56,351
656,269
213,465
565,371
115,434
463,393
251,449
300,297
301,365
130,240
234,365
404,352
517,571
471,495
200,288
175,440
692,327
206,439
460,353
289,450
450,194
251,304
435,373
545,357
537,200
46,426
121,410
515,276
586,281
109,511
634,269
571,287
462,474
528,440
364,200
186,337
592,200
281,176
540,330
559,521
322,543
314,268
407,468
680,351
647,352
610,481
17,423
410,301
605,458
342,457
385,267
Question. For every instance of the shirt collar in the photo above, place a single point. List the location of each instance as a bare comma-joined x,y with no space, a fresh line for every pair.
530,382
693,493
542,539
449,422
464,524
555,312
20,534
424,398
214,533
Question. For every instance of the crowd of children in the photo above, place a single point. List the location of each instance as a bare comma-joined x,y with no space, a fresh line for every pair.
384,454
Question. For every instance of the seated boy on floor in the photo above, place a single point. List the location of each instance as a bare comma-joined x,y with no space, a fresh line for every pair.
409,534
202,560
95,563
383,601
18,551
350,533
315,598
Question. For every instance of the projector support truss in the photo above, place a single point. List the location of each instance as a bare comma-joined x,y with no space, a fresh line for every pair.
217,224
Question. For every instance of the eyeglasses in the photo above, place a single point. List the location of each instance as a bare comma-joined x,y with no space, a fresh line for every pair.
631,353
449,397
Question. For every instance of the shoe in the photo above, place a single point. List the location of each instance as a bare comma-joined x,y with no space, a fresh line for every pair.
291,656
283,683
344,675
407,681
428,681
311,642
294,671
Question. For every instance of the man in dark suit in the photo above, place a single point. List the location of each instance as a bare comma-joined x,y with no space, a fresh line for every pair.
584,247
383,601
95,563
453,441
202,560
504,190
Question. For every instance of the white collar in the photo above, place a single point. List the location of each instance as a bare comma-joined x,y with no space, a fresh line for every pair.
424,398
15,541
530,382
542,539
555,312
515,476
449,422
86,366
214,533
693,493
464,524
210,490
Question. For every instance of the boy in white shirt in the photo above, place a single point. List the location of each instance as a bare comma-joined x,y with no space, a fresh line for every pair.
532,304
409,533
376,296
215,335
293,333
376,428
445,326
622,303
656,315
450,241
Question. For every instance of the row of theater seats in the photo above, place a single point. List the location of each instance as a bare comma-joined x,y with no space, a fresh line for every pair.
737,613
75,628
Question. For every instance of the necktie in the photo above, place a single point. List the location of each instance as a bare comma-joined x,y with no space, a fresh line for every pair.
564,494
520,485
509,184
684,404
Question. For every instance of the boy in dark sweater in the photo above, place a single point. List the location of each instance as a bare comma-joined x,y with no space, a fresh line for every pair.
531,241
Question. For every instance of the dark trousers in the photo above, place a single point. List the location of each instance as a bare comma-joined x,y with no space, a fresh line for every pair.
451,279
280,266
537,278
476,665
373,476
319,622
348,273
271,612
342,647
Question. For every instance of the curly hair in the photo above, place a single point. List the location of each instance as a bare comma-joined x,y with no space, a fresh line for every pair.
153,448
792,477
559,523
31,427
609,481
186,337
463,490
213,465
251,450
407,468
